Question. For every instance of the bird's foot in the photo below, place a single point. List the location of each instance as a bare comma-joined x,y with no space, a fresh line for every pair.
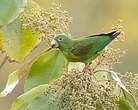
88,69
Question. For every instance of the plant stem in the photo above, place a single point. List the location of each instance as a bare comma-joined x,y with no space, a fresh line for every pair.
4,61
105,70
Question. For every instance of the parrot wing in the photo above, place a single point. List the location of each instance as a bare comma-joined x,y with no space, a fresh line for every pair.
92,44
81,49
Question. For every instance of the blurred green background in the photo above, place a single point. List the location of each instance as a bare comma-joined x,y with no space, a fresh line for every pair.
90,17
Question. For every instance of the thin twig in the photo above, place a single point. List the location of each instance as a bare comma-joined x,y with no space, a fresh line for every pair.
4,61
98,63
104,70
103,80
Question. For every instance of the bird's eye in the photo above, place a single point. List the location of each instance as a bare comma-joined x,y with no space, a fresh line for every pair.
60,39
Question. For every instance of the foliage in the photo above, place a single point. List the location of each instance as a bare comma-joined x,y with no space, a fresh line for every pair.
26,38
10,9
44,69
52,85
23,101
18,42
15,41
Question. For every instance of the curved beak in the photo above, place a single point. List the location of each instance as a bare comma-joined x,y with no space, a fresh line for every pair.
54,44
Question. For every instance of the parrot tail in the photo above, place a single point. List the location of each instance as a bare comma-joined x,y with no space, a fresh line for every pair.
113,34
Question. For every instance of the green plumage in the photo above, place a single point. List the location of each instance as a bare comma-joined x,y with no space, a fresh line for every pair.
84,49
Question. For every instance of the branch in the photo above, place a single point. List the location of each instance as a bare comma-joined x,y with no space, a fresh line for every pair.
104,70
4,61
98,63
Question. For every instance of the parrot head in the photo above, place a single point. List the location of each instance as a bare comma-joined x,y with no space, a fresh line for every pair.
61,41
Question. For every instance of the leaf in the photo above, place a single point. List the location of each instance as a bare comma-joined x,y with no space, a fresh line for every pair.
17,43
101,78
99,107
32,5
10,10
15,77
76,65
42,103
45,69
18,75
24,100
11,84
128,96
124,104
117,79
1,42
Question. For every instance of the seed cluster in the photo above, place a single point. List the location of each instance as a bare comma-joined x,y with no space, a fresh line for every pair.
110,57
120,28
49,23
80,92
131,82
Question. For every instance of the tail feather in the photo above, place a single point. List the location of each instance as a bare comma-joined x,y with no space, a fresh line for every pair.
114,34
111,34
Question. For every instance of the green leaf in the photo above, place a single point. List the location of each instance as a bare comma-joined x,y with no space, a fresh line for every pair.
46,68
10,9
24,100
128,96
17,43
101,78
1,42
15,77
42,103
76,65
99,107
124,105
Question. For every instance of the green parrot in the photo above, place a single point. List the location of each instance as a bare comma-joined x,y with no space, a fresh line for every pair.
84,49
